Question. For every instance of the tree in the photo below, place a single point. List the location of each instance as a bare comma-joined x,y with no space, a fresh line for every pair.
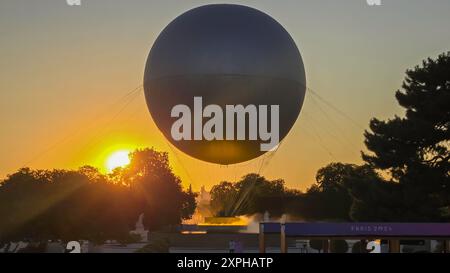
222,197
256,194
331,197
189,204
41,205
60,204
414,149
252,194
333,176
159,190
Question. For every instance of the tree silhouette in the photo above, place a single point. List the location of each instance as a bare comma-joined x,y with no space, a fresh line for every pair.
157,188
61,204
252,194
40,205
414,149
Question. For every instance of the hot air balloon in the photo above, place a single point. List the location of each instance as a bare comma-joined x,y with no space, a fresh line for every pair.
224,56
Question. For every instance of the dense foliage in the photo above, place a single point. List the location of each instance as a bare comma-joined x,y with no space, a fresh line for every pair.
405,178
85,204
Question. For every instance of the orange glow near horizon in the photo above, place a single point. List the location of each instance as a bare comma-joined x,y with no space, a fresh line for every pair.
69,103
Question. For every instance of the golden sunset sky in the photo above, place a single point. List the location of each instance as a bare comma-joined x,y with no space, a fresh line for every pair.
65,73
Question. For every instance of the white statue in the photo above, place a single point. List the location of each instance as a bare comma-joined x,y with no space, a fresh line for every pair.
266,217
140,222
140,229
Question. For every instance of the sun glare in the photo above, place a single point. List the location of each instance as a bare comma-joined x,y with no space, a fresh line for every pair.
117,159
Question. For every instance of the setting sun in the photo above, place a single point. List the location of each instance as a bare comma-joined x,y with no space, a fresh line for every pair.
117,159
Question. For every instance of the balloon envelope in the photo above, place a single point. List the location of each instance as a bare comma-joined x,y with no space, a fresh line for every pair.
228,55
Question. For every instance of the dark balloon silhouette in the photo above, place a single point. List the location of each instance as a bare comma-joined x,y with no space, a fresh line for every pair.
228,55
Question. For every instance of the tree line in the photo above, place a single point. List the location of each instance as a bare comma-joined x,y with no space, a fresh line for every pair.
404,178
39,205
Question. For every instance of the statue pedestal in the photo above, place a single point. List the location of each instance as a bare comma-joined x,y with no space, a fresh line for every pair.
142,233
